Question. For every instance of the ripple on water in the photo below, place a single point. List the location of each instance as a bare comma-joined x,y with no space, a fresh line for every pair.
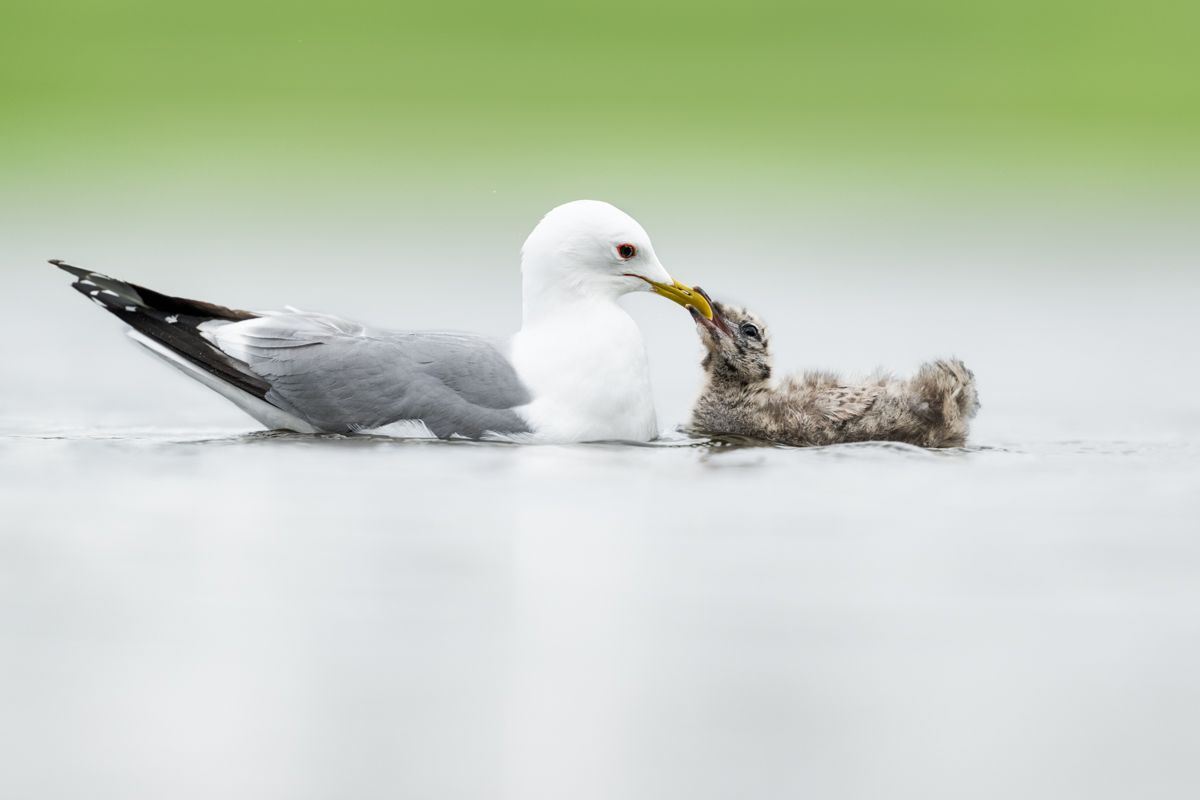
721,447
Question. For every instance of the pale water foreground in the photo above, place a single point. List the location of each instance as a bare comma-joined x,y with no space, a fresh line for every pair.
209,613
192,610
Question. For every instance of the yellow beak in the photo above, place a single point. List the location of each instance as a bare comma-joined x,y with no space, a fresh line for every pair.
684,295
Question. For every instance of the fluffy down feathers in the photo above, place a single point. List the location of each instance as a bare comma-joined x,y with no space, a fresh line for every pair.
932,409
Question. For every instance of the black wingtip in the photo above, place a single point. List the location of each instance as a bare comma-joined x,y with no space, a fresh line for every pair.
76,271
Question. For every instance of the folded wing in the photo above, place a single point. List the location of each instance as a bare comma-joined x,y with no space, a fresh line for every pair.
343,377
313,372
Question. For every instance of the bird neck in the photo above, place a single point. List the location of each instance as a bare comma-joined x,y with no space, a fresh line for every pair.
724,386
548,292
720,376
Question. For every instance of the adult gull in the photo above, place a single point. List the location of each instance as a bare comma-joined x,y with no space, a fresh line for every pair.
576,370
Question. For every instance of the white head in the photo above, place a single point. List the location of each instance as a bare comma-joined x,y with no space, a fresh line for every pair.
591,249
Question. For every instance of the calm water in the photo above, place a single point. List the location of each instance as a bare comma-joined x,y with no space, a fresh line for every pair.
190,610
216,614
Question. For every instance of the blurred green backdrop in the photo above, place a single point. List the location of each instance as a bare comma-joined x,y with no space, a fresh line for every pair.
687,91
992,179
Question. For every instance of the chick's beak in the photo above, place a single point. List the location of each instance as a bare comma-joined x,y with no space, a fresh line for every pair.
679,293
714,323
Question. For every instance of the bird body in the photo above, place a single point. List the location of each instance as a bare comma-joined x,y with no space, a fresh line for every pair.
576,371
740,396
587,375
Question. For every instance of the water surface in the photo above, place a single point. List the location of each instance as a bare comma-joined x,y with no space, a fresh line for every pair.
199,613
191,609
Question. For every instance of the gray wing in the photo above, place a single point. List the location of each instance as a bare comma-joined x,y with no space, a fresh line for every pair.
342,377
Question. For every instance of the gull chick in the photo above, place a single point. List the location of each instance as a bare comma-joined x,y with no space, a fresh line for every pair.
740,397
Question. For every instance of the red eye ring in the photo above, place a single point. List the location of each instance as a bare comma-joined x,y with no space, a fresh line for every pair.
626,251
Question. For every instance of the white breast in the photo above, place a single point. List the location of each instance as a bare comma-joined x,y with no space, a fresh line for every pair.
586,369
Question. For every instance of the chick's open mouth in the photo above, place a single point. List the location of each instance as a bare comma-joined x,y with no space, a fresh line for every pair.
715,326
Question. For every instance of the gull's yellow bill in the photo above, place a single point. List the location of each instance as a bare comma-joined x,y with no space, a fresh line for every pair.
682,294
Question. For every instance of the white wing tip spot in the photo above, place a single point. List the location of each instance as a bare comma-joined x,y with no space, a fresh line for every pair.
172,319
131,308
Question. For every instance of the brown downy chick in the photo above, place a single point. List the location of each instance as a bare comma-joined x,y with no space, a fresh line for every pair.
932,409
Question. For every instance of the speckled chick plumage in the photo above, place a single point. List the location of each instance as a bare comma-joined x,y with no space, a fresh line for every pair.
931,409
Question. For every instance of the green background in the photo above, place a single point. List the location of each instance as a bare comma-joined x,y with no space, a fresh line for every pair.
1013,182
680,91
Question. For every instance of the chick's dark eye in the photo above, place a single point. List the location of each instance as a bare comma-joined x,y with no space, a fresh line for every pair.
626,251
749,330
